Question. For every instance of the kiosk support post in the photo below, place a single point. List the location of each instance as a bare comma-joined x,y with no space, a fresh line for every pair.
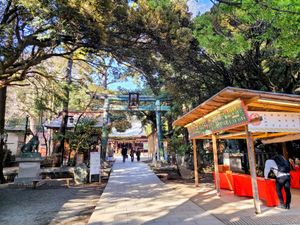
217,177
285,151
195,163
251,157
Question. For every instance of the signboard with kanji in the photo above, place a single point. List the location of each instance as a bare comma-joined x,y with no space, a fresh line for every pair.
199,128
229,116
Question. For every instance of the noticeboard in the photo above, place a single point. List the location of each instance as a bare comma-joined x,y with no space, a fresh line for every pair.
275,121
229,116
95,164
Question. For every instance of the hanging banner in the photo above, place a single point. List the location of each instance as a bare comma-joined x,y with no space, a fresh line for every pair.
274,122
229,116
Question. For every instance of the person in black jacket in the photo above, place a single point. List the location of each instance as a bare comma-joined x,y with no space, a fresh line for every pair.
132,155
281,168
124,153
138,154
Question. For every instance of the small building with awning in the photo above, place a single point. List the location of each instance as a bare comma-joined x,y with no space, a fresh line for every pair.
73,117
236,113
54,125
133,137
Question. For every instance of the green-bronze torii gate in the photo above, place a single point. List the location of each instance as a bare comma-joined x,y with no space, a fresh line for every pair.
157,107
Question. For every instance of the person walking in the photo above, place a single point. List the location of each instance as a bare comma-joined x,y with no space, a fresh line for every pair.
281,168
131,154
138,154
124,153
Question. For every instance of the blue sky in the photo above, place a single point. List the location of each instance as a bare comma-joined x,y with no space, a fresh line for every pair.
199,6
195,7
130,84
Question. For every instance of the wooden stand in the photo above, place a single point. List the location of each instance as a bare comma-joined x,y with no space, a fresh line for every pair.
251,157
195,163
215,150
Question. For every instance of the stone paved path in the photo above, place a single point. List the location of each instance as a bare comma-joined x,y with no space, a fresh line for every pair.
134,195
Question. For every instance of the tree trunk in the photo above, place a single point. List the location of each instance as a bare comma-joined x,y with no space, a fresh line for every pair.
33,124
64,116
186,136
45,139
2,124
104,133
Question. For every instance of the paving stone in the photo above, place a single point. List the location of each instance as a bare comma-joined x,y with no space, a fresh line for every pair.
134,195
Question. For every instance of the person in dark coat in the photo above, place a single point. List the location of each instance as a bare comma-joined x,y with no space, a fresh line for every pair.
138,154
132,155
124,153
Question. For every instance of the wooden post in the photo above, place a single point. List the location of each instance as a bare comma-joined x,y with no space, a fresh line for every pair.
252,165
215,151
195,163
284,151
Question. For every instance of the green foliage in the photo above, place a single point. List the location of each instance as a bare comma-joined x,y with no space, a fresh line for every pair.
40,99
250,44
81,138
183,149
233,29
177,145
16,122
120,121
159,4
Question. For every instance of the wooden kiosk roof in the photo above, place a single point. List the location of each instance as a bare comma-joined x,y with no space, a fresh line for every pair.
253,101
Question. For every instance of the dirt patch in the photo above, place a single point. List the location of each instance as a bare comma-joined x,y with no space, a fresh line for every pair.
170,174
49,204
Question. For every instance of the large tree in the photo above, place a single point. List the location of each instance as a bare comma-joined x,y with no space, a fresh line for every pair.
256,42
249,44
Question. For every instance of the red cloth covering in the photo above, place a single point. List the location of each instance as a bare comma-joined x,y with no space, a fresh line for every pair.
226,181
266,188
295,179
241,185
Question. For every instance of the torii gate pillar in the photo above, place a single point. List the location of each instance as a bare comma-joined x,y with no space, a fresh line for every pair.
104,135
160,149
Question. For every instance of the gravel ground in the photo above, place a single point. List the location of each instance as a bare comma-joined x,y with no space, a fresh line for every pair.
48,204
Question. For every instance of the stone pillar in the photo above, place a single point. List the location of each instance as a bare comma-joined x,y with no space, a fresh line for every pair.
29,169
